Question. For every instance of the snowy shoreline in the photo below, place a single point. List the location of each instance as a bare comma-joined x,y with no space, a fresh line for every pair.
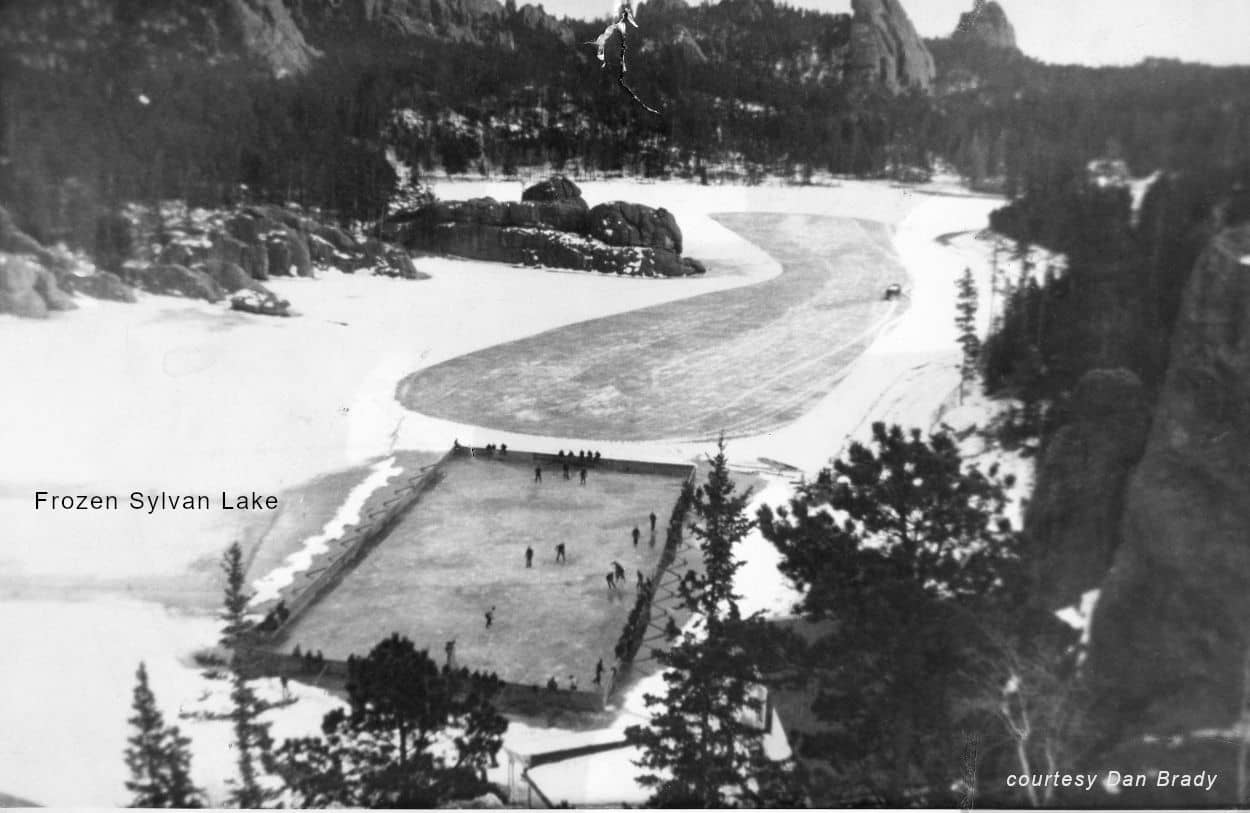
222,401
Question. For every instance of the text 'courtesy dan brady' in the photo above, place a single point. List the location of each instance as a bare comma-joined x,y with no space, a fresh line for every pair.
1114,780
154,502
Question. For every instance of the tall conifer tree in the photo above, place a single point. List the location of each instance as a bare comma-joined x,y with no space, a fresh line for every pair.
157,755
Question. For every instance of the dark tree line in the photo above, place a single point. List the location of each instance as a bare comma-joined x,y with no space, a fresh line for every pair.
1117,301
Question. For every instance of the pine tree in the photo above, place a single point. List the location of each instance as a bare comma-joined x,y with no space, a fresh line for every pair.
385,751
698,748
252,741
158,755
966,324
892,547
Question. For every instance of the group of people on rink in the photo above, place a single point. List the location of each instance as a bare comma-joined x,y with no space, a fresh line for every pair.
538,473
309,661
491,448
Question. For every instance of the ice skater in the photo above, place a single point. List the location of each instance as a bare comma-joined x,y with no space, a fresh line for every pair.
599,673
490,616
653,523
566,471
611,579
583,476
560,553
635,534
529,556
538,474
619,571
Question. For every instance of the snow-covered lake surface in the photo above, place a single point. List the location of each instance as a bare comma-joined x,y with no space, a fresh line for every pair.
185,397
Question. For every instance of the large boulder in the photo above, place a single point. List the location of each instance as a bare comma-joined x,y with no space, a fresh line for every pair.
279,251
246,228
56,299
1170,635
104,285
288,253
320,249
487,211
631,224
178,280
1074,513
178,253
230,277
18,296
555,188
254,259
15,241
341,240
227,249
563,215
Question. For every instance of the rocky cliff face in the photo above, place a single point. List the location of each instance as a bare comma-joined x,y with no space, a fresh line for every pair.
886,50
986,23
1171,633
1074,514
265,29
471,21
55,35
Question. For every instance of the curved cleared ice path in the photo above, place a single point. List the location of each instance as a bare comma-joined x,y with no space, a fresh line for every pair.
742,361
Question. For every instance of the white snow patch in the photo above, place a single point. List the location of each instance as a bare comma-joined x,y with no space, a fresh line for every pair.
270,585
1081,616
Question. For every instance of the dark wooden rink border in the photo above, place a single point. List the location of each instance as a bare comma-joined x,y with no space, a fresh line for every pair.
328,569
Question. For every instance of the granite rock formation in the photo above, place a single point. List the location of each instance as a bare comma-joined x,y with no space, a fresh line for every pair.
986,23
1074,513
886,51
620,223
28,289
265,29
1171,633
551,226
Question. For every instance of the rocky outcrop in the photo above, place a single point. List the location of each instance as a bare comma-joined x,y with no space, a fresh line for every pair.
266,30
987,23
552,226
38,280
555,188
103,285
1171,632
1074,513
178,280
631,224
29,290
885,49
536,18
